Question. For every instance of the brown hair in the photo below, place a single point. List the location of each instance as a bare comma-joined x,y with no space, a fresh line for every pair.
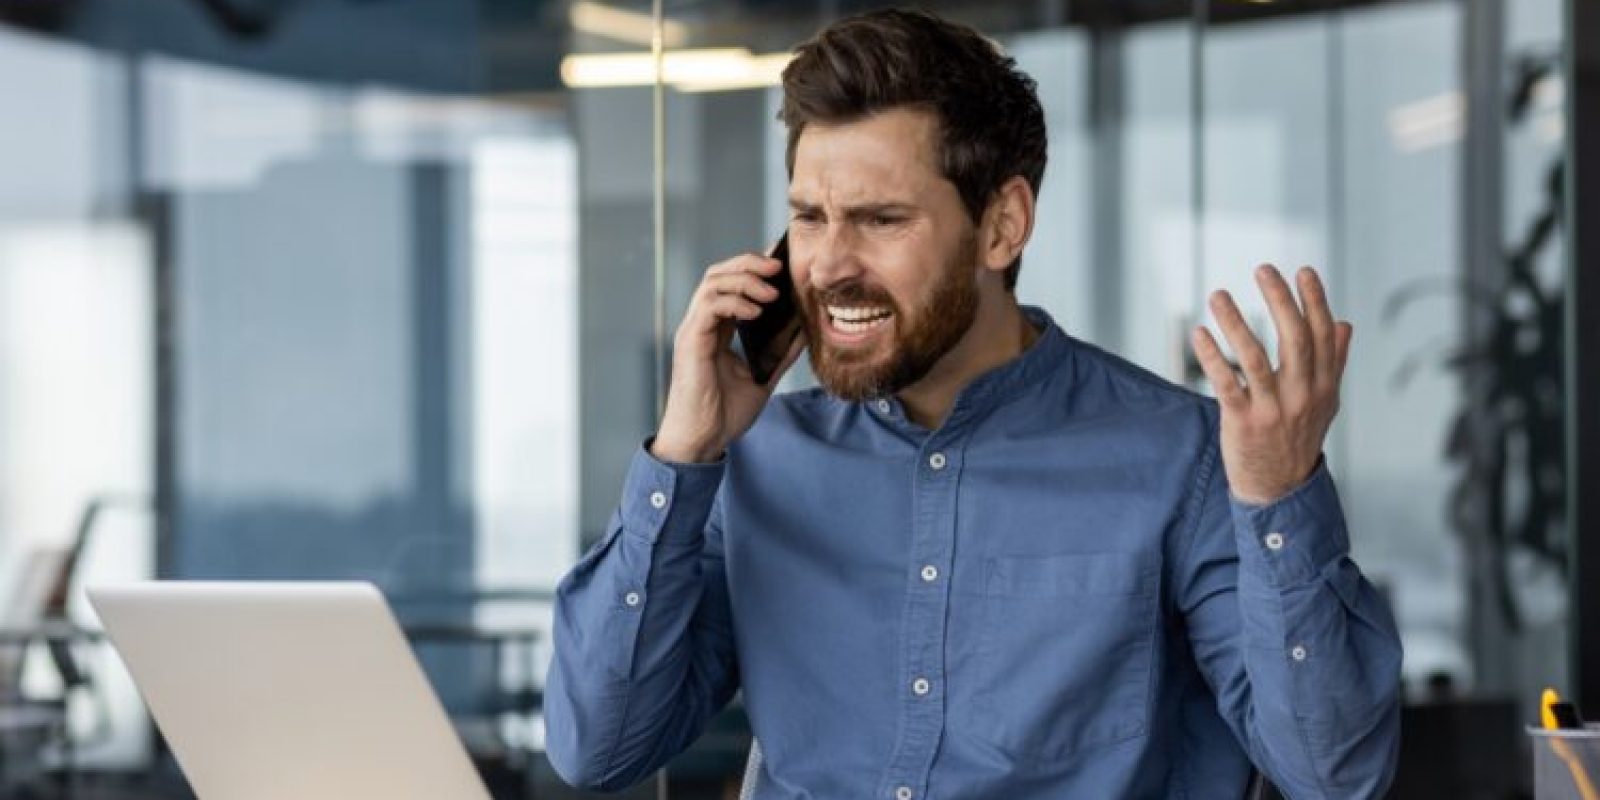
991,126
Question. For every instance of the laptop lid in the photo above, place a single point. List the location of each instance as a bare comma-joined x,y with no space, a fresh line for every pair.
286,690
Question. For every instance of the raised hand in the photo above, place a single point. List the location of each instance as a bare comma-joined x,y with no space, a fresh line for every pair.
1274,421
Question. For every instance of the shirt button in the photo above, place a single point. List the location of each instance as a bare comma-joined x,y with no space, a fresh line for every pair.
1274,541
903,793
884,407
658,499
1298,653
936,461
921,686
632,598
930,573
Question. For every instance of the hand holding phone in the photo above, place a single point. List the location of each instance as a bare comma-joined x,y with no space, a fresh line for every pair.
717,391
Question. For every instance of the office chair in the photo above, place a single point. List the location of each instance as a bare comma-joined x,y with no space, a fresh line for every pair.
38,612
31,726
27,725
1255,788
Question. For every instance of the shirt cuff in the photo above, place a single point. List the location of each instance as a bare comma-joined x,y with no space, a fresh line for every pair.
664,500
1292,539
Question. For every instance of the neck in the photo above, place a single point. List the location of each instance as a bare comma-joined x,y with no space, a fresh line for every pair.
999,333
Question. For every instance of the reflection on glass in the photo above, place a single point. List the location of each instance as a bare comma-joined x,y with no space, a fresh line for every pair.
76,378
525,364
370,305
1400,175
412,332
1356,160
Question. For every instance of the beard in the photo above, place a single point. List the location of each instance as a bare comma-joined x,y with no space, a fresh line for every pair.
921,335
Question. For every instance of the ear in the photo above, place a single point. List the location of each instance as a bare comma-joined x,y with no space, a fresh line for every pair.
1007,224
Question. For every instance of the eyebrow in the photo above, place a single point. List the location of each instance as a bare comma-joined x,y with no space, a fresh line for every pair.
859,210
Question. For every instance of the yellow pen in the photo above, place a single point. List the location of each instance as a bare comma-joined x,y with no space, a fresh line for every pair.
1551,711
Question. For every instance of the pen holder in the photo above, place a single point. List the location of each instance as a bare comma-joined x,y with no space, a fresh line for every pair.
1566,763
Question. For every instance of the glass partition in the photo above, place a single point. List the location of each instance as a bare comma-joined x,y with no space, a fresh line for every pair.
280,302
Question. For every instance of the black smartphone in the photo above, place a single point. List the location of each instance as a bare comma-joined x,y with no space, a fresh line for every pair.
766,339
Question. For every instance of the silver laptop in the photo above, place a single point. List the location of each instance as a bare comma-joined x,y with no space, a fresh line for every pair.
286,690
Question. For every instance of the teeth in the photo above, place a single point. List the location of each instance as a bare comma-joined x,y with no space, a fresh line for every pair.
858,314
859,326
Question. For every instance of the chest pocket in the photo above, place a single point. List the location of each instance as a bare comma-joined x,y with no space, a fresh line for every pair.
1067,650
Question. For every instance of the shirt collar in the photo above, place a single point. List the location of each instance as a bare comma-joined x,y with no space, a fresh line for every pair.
993,388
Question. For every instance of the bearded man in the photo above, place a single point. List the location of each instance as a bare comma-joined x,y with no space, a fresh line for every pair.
982,560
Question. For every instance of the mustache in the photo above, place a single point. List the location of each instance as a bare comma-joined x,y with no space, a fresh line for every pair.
850,294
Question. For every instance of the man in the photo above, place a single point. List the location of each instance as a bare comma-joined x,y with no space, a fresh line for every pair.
983,560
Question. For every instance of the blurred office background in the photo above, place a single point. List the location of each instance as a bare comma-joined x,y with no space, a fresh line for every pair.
380,289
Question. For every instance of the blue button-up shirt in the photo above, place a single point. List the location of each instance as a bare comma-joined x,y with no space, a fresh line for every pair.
1052,595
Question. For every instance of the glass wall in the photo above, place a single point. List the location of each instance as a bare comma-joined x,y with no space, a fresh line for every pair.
76,358
280,307
277,304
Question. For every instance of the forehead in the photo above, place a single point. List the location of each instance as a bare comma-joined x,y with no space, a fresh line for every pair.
892,152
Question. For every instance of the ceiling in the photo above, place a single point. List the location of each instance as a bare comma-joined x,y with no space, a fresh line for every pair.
517,45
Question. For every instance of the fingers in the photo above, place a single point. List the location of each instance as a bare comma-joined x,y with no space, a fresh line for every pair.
733,289
1314,346
745,283
749,262
1252,356
1223,380
733,306
1296,365
711,308
1319,318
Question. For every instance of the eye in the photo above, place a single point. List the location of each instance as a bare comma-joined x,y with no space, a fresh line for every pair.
884,220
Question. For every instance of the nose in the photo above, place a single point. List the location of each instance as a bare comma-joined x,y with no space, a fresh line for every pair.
834,260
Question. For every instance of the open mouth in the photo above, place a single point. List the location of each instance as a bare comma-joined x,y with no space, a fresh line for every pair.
855,322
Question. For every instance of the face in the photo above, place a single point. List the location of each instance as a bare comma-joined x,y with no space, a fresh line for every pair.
883,253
